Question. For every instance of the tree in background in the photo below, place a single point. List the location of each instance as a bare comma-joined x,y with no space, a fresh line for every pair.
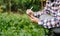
22,5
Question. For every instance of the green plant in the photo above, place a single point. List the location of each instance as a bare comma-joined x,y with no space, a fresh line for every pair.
17,25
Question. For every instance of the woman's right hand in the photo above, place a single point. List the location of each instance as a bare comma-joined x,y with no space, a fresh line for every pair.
29,12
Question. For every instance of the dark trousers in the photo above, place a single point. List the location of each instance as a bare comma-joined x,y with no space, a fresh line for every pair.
52,33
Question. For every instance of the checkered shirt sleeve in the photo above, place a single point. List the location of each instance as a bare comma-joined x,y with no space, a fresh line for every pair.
54,22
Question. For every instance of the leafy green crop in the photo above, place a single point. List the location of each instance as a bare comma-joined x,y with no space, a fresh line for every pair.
17,25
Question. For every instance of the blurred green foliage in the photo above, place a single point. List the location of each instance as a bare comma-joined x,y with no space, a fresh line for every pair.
17,25
15,5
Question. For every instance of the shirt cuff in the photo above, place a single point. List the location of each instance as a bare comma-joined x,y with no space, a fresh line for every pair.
40,22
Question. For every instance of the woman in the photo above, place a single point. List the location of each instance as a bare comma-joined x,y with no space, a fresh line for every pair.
53,8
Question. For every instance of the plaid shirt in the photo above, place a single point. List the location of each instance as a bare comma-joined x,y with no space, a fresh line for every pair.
52,9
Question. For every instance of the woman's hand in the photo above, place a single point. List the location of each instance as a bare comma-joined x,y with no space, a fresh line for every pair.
31,16
29,12
34,19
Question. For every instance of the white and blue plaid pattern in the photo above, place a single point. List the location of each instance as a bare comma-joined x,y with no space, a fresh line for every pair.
52,9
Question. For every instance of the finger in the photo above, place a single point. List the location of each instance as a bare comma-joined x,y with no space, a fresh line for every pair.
33,17
29,12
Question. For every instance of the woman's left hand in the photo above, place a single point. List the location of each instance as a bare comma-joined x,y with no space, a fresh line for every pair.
34,19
